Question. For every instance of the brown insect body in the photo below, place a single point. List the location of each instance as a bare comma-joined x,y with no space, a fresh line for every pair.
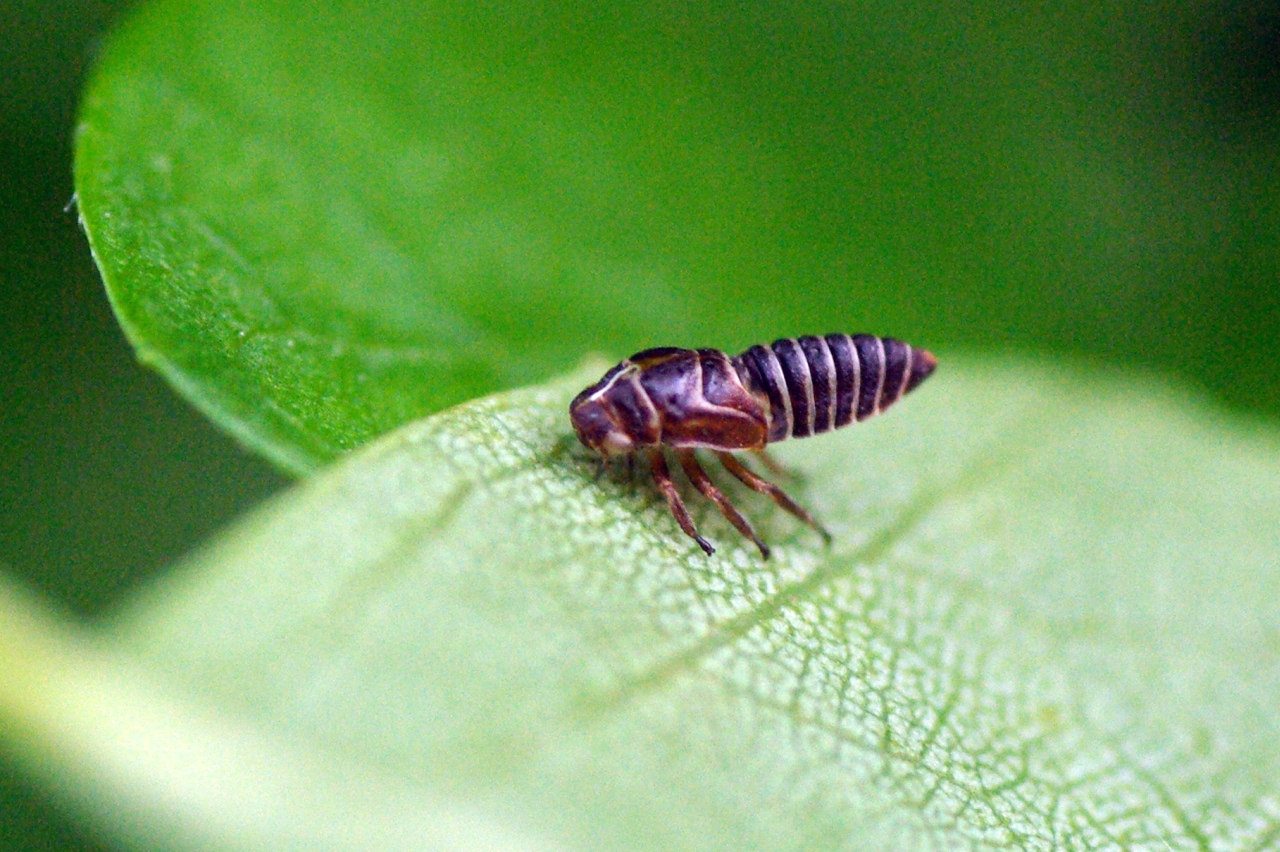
688,399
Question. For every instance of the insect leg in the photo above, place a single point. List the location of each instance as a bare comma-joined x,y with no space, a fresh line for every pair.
662,476
703,483
755,483
770,462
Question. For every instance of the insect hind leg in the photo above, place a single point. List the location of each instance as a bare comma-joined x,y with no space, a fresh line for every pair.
775,467
764,486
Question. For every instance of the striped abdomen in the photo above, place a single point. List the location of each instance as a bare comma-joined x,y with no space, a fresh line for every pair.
816,384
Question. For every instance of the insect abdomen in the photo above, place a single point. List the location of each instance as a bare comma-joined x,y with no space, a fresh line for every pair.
816,384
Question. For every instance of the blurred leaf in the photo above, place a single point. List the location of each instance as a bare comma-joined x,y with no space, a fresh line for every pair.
162,772
1048,620
321,222
319,231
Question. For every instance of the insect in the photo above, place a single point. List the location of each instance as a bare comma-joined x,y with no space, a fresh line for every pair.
688,399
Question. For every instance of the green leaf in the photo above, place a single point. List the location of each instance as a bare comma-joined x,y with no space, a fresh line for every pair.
1047,620
319,231
321,222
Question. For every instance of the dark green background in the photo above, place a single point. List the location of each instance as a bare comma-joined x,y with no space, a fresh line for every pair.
105,474
1170,111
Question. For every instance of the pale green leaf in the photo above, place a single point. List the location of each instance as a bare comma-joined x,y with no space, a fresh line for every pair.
1049,620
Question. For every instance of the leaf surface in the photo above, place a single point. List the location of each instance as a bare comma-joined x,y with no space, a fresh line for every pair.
1048,621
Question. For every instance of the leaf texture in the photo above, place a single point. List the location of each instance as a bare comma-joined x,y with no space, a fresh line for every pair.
1048,621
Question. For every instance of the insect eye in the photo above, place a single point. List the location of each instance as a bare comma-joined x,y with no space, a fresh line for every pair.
594,426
